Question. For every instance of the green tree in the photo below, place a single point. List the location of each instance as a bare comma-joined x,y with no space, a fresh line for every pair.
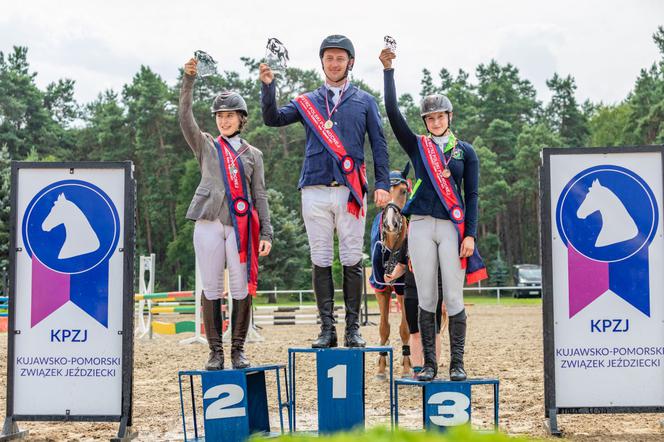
503,94
106,135
564,114
608,125
5,185
646,102
25,119
288,264
153,132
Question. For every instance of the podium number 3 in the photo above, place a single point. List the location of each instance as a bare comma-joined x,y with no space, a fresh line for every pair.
338,375
453,414
223,407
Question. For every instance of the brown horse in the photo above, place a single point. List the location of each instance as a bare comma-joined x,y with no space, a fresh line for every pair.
394,228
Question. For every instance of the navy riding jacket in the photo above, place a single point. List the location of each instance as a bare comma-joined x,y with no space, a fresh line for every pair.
355,117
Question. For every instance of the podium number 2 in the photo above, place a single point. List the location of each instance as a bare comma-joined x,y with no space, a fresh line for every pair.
223,407
450,415
338,375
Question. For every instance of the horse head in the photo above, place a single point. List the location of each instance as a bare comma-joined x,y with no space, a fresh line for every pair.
394,226
590,202
56,216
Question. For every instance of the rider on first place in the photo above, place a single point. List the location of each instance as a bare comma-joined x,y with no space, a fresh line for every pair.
336,117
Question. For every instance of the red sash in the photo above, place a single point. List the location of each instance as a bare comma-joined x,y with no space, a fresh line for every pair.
243,214
355,176
432,159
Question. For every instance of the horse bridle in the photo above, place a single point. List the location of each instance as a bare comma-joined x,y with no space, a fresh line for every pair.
400,218
393,254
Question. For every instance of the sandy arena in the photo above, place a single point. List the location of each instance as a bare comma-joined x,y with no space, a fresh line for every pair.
503,342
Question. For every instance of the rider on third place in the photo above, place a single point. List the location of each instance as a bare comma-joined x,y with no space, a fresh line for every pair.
442,224
336,117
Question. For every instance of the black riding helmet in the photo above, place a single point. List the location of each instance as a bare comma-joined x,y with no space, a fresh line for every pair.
229,101
338,42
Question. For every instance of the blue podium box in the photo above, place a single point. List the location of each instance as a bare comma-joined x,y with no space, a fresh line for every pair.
446,403
234,402
340,375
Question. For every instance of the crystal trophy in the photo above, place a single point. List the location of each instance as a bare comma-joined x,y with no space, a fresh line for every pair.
206,64
276,56
390,43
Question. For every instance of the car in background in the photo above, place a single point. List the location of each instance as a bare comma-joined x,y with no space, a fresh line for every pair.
527,275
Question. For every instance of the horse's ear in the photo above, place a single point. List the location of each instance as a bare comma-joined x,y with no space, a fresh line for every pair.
596,183
404,172
61,197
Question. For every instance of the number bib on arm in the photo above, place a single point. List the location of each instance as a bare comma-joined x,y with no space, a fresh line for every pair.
243,214
432,158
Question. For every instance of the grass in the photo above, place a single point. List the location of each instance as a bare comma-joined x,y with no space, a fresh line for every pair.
463,433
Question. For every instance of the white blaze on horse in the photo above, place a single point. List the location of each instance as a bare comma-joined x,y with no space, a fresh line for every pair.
80,237
617,224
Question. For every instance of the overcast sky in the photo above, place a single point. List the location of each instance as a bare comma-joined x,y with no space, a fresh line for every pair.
603,44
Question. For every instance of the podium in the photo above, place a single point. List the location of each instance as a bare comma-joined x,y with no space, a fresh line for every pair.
234,403
340,379
446,403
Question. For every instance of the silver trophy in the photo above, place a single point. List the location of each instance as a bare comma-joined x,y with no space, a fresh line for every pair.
276,56
390,43
206,64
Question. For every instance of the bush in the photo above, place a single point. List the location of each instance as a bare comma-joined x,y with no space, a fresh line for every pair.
463,433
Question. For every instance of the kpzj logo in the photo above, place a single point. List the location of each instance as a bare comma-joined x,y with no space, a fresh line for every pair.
70,229
607,217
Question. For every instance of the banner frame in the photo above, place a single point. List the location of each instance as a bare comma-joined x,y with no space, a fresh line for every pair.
128,248
551,410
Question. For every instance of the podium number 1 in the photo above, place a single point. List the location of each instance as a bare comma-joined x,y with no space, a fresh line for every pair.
223,407
338,375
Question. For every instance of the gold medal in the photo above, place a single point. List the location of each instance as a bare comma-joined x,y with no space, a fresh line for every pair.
328,124
446,173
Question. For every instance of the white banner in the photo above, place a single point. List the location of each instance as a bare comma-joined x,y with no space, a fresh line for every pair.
68,292
608,279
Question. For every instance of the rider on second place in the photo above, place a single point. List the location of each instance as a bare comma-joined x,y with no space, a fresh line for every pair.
232,216
337,117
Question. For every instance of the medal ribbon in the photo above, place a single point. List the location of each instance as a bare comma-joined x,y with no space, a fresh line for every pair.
451,144
327,103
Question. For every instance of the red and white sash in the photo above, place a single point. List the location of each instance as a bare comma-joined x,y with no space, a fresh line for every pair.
243,214
433,162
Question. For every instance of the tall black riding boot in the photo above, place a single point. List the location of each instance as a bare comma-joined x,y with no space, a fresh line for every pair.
427,323
353,299
324,291
240,319
213,332
457,329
